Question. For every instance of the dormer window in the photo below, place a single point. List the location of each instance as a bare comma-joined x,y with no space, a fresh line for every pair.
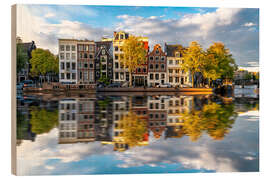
157,51
121,36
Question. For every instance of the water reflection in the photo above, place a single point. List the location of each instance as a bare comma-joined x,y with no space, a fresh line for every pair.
130,122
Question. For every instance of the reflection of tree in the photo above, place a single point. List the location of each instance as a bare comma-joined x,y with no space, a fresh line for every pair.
214,119
22,125
42,120
134,129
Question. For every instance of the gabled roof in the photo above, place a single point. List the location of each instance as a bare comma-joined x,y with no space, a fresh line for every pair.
106,44
171,49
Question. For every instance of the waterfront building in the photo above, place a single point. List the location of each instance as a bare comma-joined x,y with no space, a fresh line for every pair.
27,47
157,66
175,75
104,61
121,74
86,61
67,61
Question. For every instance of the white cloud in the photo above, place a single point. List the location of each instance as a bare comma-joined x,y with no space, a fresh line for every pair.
249,24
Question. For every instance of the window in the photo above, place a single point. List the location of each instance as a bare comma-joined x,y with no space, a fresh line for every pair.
91,76
177,71
62,76
62,56
62,116
85,55
121,75
67,47
170,71
121,36
80,47
81,55
151,76
177,62
116,57
85,65
68,75
73,116
162,116
73,66
176,79
62,65
162,76
170,79
117,75
68,65
157,58
85,47
62,47
151,58
116,65
104,67
162,58
151,106
80,75
73,76
162,66
68,56
157,66
162,106
170,62
170,103
116,48
103,51
90,56
157,76
151,116
144,69
139,70
85,75
151,66
157,51
91,47
91,65
156,116
73,56
157,106
73,48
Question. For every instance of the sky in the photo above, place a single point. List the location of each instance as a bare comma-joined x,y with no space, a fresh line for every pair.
237,28
238,151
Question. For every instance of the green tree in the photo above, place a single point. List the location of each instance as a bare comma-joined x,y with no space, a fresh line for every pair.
43,62
219,62
134,54
134,129
42,120
21,58
193,59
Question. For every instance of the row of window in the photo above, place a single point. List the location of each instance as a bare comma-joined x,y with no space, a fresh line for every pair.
156,106
176,71
68,76
67,126
68,106
176,62
162,66
85,126
157,123
85,47
68,116
69,56
120,76
157,58
67,134
176,120
67,47
157,116
156,76
176,102
177,80
67,66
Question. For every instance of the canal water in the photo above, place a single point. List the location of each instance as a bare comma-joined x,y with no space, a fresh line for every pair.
123,134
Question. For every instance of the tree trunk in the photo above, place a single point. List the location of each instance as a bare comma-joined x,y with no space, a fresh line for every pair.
130,79
192,79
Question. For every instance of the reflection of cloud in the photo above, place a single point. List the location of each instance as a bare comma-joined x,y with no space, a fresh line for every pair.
237,152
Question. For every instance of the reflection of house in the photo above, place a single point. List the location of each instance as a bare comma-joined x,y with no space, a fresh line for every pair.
175,75
157,114
176,106
104,60
157,66
68,121
86,119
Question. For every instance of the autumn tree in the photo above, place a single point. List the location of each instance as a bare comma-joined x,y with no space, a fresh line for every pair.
21,57
134,54
219,62
193,58
134,129
43,62
42,120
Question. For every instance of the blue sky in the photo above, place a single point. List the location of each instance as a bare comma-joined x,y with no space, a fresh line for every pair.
238,29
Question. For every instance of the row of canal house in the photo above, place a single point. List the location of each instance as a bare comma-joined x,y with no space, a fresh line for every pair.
85,62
